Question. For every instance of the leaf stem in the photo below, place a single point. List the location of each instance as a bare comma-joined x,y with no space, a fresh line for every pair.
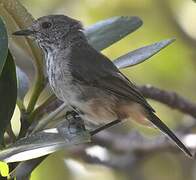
38,87
39,111
49,118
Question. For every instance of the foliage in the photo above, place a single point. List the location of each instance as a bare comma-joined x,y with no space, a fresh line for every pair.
8,84
14,85
4,169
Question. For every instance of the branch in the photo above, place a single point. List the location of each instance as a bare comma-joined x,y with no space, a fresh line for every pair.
122,162
132,142
171,99
127,151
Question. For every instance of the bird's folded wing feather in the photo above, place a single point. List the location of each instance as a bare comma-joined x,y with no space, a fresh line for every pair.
94,69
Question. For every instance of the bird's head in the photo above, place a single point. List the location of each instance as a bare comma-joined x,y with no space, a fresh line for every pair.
50,30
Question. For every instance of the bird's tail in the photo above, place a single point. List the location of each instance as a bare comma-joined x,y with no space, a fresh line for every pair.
159,124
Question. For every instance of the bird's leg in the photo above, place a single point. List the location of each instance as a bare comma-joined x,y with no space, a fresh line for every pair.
75,122
104,127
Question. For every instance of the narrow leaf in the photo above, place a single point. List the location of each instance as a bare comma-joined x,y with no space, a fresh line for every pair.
43,143
22,83
8,94
106,32
25,168
3,44
140,55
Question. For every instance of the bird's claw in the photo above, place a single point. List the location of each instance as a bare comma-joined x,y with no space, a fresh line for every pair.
75,122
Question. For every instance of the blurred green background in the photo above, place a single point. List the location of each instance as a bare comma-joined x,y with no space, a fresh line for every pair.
172,69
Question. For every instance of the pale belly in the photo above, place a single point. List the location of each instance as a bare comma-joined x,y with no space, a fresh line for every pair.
94,105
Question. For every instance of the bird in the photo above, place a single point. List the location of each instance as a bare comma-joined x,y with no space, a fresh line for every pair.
88,81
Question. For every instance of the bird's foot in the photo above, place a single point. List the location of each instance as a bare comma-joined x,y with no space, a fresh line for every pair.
75,122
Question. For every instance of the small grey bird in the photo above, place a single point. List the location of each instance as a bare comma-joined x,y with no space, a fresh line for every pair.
88,81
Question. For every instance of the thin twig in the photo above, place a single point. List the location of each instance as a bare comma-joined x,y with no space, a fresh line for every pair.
171,99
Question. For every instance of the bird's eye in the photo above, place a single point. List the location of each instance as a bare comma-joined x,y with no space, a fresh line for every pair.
46,25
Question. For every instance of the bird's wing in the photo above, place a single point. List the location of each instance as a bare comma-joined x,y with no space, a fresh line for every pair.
94,69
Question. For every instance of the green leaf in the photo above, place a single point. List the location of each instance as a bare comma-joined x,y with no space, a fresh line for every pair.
106,32
25,168
4,169
3,44
140,55
17,17
8,94
23,83
43,143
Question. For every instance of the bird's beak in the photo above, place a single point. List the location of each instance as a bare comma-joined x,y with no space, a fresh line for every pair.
25,32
